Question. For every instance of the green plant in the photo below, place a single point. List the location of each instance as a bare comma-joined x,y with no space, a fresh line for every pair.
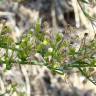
57,54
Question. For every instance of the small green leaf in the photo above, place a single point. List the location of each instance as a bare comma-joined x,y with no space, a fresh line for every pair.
60,70
72,51
85,1
38,26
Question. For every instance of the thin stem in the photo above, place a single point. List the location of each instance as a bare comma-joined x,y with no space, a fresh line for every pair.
84,74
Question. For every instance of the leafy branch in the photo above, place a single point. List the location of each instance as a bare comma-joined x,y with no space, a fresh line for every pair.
37,48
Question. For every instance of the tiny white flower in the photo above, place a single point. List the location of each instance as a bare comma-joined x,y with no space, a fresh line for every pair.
17,46
32,30
50,50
